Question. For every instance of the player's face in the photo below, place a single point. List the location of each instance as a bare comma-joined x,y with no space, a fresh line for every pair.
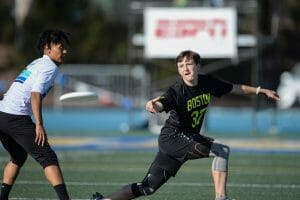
188,71
56,52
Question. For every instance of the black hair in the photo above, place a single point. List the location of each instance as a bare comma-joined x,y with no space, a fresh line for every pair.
190,55
54,36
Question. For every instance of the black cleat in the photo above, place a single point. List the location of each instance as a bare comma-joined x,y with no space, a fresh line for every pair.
97,196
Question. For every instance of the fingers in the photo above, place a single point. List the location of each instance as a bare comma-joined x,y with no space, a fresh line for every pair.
40,137
40,140
276,97
155,100
150,107
273,95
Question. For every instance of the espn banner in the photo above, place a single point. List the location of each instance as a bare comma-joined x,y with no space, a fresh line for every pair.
208,31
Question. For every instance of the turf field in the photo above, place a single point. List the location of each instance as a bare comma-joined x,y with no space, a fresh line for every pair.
253,176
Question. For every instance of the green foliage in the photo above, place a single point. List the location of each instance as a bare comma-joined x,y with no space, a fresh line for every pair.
94,38
294,7
7,28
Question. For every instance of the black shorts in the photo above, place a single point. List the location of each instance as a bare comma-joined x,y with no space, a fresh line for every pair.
17,134
176,148
178,145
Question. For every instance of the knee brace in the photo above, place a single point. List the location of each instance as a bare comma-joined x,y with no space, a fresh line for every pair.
221,154
151,182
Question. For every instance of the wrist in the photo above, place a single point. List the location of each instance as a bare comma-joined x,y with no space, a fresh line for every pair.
39,124
258,90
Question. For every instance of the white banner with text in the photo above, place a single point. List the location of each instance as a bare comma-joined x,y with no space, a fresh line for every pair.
211,32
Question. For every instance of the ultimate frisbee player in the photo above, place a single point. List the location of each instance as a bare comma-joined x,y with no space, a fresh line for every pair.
180,139
19,135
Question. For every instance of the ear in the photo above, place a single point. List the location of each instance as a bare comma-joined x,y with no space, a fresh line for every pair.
198,67
47,49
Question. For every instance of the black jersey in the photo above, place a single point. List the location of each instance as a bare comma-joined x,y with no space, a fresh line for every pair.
187,105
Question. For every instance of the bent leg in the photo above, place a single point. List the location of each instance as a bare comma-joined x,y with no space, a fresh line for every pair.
204,147
220,168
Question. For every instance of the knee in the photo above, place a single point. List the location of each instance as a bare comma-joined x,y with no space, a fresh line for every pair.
153,180
220,150
48,160
142,189
220,162
225,152
20,160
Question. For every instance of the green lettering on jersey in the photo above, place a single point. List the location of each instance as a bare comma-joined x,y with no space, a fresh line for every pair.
198,101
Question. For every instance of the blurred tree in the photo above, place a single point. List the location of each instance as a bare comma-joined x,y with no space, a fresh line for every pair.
7,30
93,38
7,22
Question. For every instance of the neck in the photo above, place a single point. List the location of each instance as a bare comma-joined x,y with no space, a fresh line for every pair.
191,83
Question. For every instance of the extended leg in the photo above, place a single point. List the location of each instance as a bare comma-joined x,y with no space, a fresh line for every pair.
153,180
125,193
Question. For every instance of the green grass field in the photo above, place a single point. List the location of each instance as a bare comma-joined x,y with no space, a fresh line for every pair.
252,176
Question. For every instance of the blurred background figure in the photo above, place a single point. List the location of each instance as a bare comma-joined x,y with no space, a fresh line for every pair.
289,88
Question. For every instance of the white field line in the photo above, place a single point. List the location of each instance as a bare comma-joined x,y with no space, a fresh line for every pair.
237,185
242,185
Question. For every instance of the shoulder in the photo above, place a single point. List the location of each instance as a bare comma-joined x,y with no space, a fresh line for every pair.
208,78
43,64
176,87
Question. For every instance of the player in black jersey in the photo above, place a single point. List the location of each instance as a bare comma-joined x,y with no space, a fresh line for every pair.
180,139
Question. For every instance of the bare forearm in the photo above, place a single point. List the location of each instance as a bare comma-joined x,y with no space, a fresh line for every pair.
247,89
36,105
243,89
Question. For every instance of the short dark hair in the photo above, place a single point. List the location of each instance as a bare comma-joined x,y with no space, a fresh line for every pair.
54,36
190,55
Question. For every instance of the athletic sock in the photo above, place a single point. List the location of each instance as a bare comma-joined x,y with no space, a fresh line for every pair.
61,191
5,190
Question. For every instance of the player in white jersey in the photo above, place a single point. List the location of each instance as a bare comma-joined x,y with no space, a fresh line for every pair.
37,77
19,135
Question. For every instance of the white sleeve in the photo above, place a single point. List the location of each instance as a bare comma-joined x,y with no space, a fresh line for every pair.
44,79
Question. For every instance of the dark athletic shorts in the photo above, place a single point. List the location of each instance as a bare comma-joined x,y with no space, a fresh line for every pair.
177,148
17,134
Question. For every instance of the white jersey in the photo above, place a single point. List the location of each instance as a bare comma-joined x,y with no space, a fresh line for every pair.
39,77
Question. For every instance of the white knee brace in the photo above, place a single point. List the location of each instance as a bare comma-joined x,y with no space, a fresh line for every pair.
221,154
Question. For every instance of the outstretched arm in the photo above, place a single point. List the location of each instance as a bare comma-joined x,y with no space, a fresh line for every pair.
154,105
246,89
